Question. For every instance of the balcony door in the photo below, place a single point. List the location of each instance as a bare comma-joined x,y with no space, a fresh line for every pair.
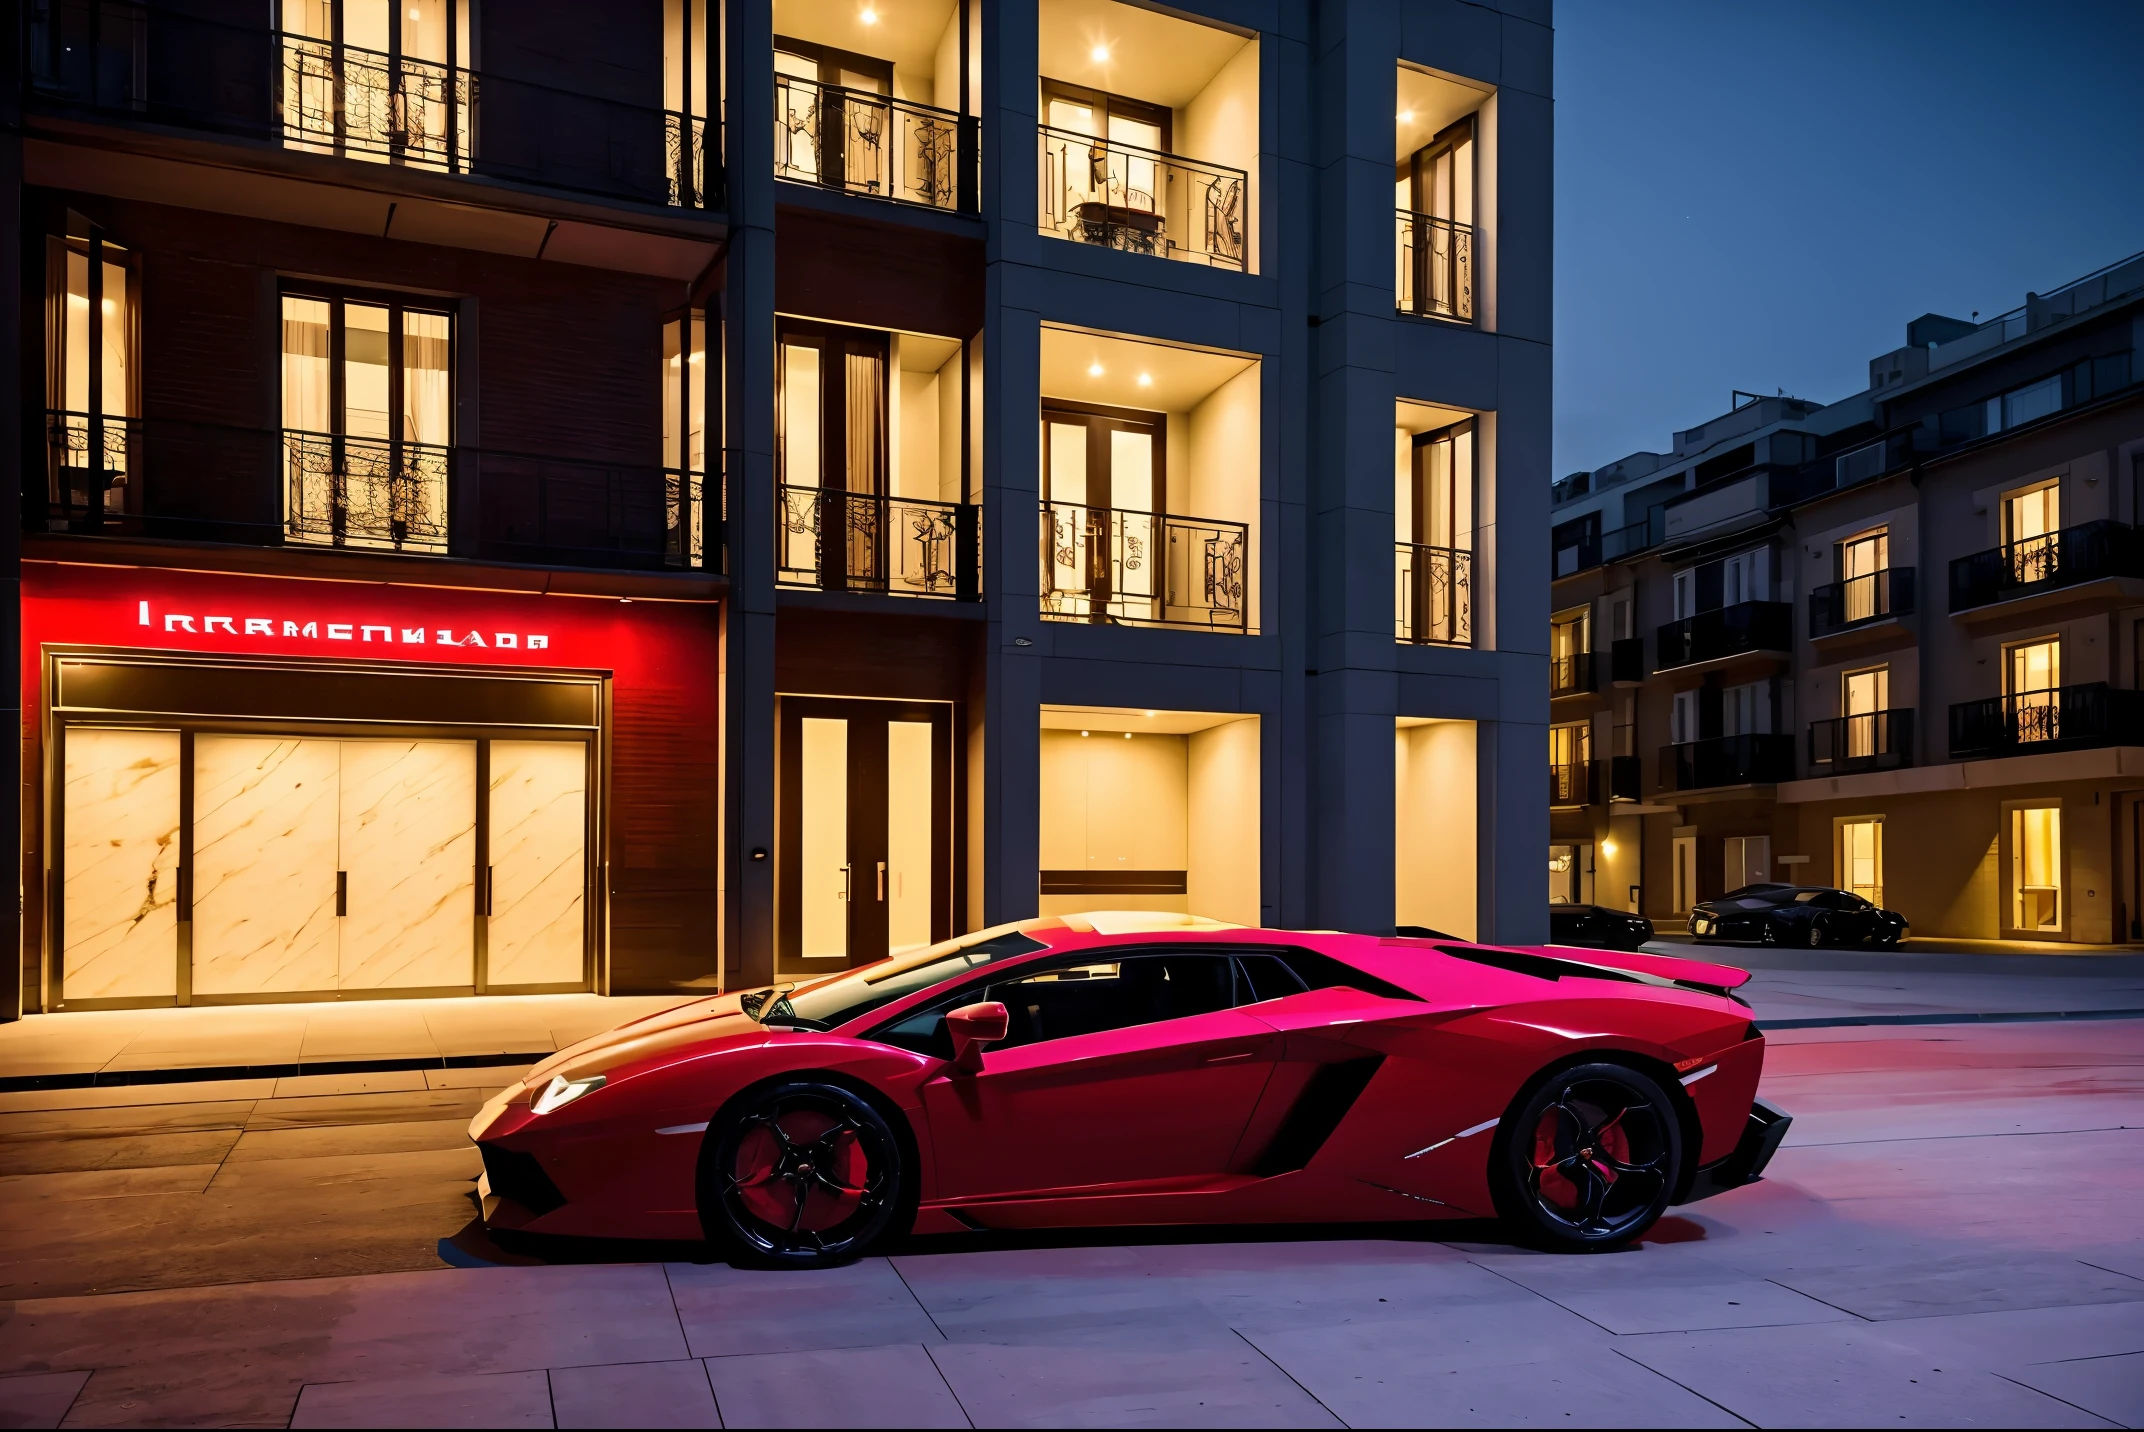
368,406
831,451
91,335
1862,696
864,842
380,80
832,121
1434,190
2031,518
1104,494
1860,559
1570,752
2032,688
1443,483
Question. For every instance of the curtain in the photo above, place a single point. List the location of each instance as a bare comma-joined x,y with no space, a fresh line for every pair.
307,457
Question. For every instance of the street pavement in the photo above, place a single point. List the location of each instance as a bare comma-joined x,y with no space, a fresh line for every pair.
1948,1239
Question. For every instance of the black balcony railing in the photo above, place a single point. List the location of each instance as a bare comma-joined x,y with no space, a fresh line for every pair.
159,63
2083,553
1626,779
1574,783
1100,191
1570,675
1118,565
1871,741
1435,260
861,142
1754,758
864,542
1725,631
1626,660
208,482
1433,594
2058,718
1840,605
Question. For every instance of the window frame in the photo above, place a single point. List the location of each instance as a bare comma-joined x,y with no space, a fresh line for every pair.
844,340
338,296
1107,103
1099,419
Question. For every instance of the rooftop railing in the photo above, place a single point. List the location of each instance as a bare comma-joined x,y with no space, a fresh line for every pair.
1838,606
839,541
860,142
1118,565
2056,718
1144,201
1436,267
2084,553
1433,594
156,63
206,482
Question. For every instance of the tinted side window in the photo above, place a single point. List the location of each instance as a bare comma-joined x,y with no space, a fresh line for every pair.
1091,999
1265,977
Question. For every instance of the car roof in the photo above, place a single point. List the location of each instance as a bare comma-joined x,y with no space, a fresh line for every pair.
1141,922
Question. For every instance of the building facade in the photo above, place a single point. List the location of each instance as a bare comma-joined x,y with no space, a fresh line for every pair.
513,503
1893,644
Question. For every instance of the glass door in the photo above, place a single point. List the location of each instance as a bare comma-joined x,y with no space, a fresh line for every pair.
1859,562
1863,695
864,864
832,456
1104,493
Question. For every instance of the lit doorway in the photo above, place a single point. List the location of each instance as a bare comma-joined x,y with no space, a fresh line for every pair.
865,832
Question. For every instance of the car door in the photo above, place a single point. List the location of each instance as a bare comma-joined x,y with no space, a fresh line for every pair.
1121,1068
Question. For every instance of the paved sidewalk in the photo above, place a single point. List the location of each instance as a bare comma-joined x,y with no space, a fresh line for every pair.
1948,1239
114,1046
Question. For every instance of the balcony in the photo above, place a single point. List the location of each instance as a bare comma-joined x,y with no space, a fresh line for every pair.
1433,594
1574,784
1118,566
1102,191
1857,601
1436,267
208,483
1626,661
1871,741
1571,675
147,62
860,142
838,541
1753,758
2089,552
1626,779
1725,632
2057,719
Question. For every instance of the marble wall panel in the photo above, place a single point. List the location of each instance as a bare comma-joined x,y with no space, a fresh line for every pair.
119,911
408,817
266,831
539,835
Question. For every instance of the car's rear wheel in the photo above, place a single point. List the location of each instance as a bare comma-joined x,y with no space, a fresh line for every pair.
1815,936
1589,1160
802,1174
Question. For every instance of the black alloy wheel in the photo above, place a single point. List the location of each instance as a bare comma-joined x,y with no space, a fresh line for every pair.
1816,933
1589,1160
802,1174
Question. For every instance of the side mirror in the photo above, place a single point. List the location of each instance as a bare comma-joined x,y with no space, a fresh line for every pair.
971,1027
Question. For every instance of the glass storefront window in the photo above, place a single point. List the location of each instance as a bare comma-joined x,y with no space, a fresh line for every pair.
2036,868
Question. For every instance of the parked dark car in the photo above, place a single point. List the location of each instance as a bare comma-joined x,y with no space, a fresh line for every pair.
1796,915
1597,926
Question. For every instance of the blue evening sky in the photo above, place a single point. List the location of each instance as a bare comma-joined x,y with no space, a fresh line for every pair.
1760,196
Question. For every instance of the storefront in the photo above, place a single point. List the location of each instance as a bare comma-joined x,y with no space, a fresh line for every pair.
247,789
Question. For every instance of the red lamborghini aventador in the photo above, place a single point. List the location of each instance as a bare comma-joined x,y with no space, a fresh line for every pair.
1115,1069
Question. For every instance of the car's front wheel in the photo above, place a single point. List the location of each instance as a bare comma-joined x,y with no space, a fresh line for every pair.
802,1174
1815,936
1589,1160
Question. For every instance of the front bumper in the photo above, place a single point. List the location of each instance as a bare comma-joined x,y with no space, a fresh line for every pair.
1768,1124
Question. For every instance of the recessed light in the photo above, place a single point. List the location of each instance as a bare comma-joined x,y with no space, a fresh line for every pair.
1099,54
1083,733
1094,370
1406,116
1146,380
1127,735
869,16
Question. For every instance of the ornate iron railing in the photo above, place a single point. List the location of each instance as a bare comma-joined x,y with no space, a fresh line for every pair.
1436,267
2084,553
158,62
864,542
1871,741
2090,713
1433,596
89,463
1119,565
865,143
1100,191
1839,605
365,492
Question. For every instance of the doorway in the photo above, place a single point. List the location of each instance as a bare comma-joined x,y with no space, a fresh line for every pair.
1104,490
865,831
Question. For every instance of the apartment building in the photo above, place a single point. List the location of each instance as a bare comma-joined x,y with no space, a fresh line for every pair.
519,501
1893,644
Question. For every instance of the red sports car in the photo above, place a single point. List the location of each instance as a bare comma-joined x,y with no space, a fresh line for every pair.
1116,1069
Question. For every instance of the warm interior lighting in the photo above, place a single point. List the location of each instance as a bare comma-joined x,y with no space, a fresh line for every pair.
1083,733
1094,370
1127,735
1099,54
1608,847
1406,116
869,16
1149,715
1146,380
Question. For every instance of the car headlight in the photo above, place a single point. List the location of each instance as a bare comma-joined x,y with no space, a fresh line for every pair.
562,1091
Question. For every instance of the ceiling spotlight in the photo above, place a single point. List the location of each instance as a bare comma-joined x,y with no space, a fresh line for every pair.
1146,380
1149,715
1127,735
869,16
1099,54
1094,369
1406,116
1083,733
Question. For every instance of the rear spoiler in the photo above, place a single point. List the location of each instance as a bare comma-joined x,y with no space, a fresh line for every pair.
1663,971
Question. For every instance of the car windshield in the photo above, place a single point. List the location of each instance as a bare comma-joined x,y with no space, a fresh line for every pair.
835,1002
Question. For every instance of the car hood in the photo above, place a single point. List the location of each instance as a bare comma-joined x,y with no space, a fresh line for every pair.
692,1023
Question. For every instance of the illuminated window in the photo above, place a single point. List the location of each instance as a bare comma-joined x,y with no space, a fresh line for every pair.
1863,698
1685,871
684,384
1861,857
2032,688
2036,867
90,379
1860,560
2032,523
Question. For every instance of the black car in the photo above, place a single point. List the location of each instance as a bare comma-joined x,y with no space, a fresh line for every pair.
1796,915
1597,926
